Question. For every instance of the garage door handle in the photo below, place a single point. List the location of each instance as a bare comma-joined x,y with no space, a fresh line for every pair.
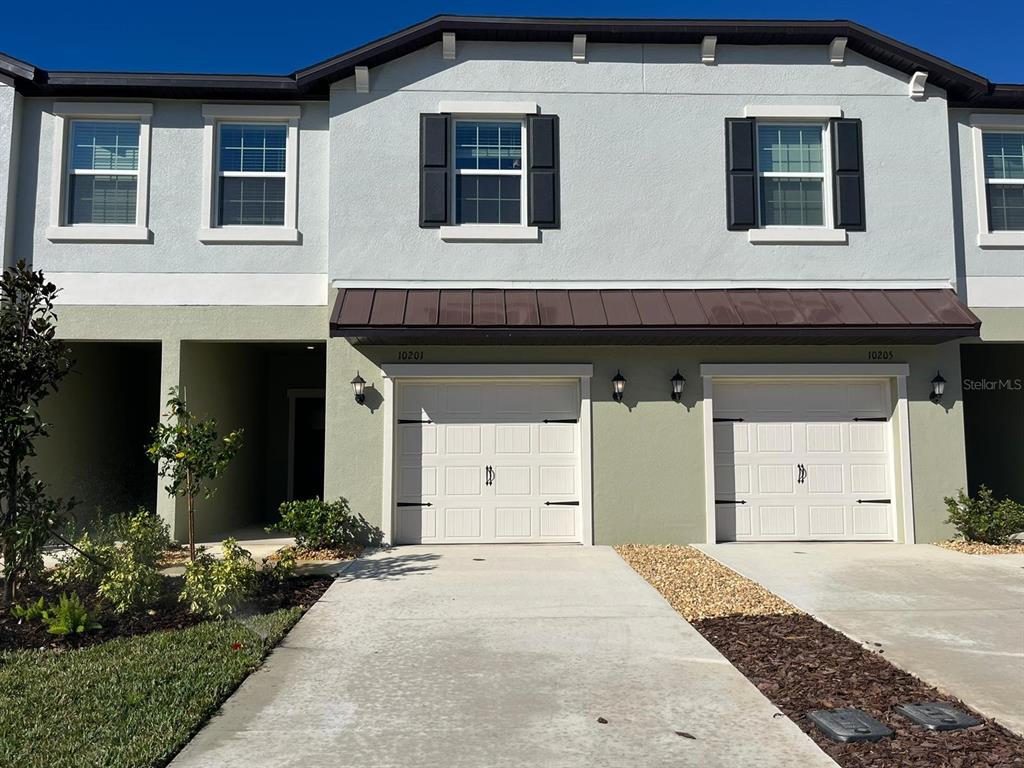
414,504
874,501
729,501
488,475
561,503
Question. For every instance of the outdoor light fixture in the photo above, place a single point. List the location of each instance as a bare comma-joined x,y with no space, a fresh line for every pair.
678,382
618,386
938,388
359,388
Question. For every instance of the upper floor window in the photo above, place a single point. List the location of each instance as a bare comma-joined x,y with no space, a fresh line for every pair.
489,179
489,171
794,174
100,172
1004,179
251,175
250,179
791,170
103,172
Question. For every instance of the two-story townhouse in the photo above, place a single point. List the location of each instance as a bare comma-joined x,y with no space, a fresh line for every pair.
521,280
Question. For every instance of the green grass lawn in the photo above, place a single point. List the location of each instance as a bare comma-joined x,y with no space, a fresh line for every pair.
133,701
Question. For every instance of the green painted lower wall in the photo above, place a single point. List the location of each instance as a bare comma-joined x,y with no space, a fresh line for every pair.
648,453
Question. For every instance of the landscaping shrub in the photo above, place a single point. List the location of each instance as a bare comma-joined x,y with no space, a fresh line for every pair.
68,617
30,611
274,573
118,561
985,518
331,525
215,587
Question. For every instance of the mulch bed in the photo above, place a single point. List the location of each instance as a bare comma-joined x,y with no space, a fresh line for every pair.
800,664
167,614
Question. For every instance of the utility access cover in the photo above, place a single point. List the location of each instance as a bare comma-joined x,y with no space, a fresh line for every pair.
937,715
848,724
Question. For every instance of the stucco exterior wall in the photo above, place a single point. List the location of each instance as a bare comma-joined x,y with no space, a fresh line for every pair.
648,454
991,277
175,202
10,130
642,166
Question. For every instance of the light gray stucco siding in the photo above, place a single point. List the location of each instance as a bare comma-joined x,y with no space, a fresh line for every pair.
642,176
175,202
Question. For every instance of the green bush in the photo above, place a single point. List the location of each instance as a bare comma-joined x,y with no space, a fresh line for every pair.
985,518
118,561
29,611
215,587
69,617
274,573
317,524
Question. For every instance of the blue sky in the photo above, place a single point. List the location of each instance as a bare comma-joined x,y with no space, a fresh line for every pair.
279,37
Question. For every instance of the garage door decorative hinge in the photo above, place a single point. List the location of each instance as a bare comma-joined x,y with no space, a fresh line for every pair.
561,421
415,421
724,418
561,503
414,504
874,501
870,418
729,501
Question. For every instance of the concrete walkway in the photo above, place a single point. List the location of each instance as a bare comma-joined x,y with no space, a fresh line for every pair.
496,656
954,620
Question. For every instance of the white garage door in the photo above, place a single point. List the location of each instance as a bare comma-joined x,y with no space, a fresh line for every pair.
803,460
488,461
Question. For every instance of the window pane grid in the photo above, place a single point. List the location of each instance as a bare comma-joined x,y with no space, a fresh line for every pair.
791,167
103,168
488,146
488,172
1004,155
251,167
488,200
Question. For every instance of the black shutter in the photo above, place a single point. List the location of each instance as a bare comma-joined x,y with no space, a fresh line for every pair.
542,174
741,173
848,174
434,170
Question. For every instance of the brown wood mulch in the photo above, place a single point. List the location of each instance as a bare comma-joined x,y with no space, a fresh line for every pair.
800,664
167,614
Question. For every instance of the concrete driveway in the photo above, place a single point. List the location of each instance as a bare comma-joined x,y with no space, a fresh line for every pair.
496,656
954,620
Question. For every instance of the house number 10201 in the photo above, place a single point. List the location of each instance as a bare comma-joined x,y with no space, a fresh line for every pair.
410,354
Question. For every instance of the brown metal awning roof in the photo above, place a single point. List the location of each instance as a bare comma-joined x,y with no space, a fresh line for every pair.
651,316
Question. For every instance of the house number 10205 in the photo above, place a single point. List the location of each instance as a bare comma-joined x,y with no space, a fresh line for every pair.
879,354
410,354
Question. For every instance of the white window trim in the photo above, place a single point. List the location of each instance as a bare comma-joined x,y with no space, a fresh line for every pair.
398,371
490,232
520,232
792,111
213,116
489,108
785,233
897,372
980,124
59,230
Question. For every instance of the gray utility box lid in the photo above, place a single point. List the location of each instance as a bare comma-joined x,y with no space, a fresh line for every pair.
937,715
848,724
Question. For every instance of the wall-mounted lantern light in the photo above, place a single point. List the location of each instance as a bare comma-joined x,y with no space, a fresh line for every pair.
938,388
359,388
678,382
618,386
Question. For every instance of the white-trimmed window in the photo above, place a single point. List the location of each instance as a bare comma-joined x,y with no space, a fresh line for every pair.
792,175
250,182
1004,179
998,142
100,178
490,185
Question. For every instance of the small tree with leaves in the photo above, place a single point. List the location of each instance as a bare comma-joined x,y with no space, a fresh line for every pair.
32,363
190,455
